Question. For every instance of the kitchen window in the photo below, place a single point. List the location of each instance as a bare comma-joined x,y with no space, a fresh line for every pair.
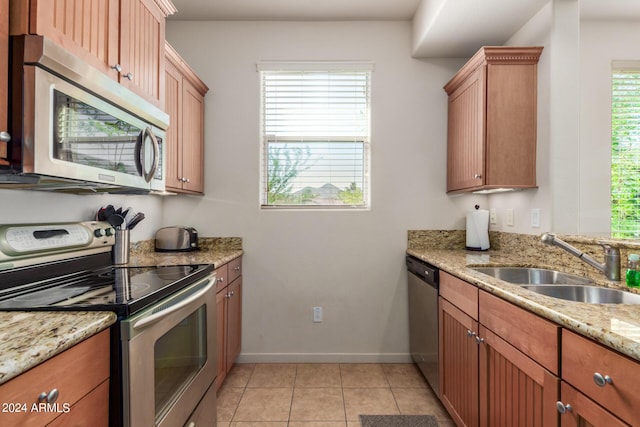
315,135
625,158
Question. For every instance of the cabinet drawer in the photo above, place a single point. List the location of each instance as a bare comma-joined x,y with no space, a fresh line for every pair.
92,410
235,269
534,336
74,372
460,293
222,277
582,359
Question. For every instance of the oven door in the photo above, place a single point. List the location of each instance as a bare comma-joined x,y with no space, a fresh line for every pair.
169,357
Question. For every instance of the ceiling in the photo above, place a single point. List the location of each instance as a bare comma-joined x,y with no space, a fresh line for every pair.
442,28
295,10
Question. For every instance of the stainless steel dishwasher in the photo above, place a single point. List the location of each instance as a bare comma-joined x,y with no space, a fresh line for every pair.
423,319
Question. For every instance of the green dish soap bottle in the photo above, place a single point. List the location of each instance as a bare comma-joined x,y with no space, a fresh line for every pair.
633,271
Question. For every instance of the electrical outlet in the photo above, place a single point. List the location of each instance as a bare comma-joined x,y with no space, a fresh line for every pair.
493,216
317,314
535,217
510,217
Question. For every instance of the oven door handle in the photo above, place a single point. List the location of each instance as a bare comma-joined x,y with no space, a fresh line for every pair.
143,323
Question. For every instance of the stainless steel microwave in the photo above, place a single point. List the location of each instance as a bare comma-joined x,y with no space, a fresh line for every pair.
75,129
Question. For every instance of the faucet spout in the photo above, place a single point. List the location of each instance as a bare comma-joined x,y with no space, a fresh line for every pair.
610,268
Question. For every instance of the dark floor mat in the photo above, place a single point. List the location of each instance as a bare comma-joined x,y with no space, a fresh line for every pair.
398,421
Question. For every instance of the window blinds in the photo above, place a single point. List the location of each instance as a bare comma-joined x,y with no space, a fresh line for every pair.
625,142
315,137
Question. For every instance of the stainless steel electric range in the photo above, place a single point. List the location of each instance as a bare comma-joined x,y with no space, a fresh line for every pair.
165,337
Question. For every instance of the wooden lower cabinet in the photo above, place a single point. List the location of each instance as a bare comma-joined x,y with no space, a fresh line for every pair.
458,364
229,317
80,375
514,389
488,377
580,411
601,375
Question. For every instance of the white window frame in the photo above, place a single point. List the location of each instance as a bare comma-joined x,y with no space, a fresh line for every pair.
628,154
359,143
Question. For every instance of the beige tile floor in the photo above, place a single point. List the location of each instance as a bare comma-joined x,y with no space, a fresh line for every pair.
323,395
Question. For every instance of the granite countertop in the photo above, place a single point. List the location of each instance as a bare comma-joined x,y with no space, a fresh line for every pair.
614,325
29,338
216,251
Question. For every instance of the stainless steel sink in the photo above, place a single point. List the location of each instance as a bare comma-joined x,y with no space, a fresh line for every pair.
588,294
560,285
533,276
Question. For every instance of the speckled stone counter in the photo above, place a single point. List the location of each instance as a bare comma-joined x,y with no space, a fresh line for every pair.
29,338
614,325
211,250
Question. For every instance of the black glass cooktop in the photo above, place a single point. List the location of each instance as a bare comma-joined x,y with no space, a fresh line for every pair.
124,290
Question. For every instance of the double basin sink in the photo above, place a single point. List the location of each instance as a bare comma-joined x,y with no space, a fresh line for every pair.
560,285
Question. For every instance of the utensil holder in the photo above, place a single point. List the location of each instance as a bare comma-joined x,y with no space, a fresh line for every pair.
120,252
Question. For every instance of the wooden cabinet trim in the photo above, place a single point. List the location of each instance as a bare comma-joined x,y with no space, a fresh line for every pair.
537,337
187,72
460,293
494,55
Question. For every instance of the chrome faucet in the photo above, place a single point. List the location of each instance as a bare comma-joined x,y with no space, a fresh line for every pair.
611,266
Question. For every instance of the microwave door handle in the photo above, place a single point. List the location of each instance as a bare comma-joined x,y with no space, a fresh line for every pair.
143,323
148,176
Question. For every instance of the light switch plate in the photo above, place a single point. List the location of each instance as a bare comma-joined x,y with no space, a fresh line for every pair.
535,217
510,217
493,216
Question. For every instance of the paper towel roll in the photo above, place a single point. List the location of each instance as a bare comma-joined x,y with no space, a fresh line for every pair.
478,230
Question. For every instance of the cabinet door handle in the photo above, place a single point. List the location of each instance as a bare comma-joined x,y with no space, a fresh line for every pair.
128,76
5,137
477,176
220,279
479,340
50,397
237,268
470,334
562,408
117,67
602,380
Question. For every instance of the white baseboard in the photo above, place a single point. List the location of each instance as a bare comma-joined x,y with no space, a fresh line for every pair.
324,358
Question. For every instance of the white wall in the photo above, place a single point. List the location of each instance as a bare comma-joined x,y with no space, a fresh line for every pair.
574,121
350,263
601,43
22,206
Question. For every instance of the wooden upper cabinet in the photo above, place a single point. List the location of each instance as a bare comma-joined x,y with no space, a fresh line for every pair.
185,94
491,141
4,70
122,38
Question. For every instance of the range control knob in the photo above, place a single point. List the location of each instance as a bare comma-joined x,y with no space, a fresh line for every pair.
98,232
109,231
